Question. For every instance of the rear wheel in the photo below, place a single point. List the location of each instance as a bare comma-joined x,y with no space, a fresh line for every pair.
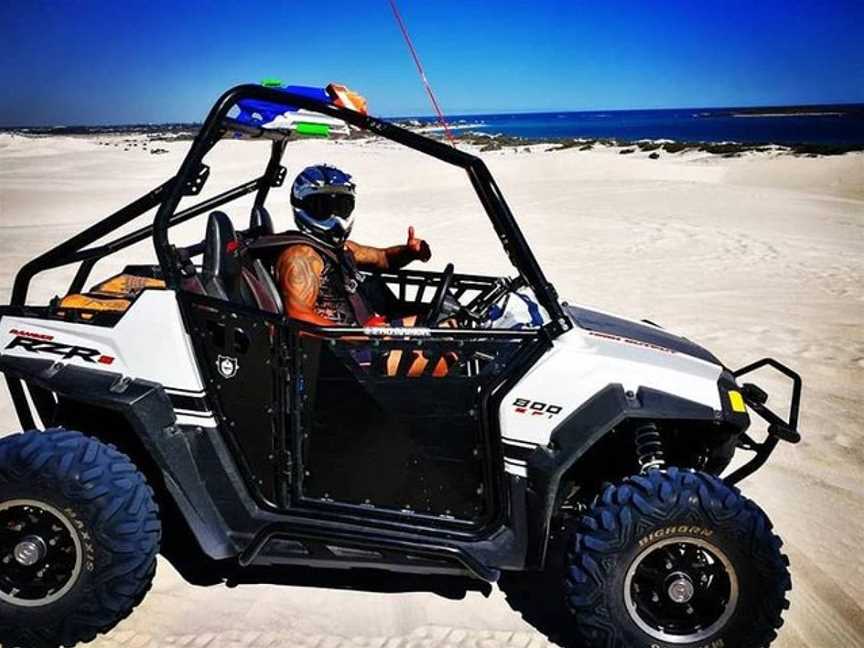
40,551
79,533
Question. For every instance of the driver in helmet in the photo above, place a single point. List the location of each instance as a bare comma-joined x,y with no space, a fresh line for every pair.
318,274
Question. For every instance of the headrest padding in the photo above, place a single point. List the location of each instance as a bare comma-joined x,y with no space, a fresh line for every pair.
219,243
260,221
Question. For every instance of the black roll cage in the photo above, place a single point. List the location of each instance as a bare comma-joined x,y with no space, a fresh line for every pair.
192,175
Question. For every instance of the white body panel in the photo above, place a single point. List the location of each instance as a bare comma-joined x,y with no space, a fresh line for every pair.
579,365
149,342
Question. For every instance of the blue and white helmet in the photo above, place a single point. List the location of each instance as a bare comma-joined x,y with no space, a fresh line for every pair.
323,201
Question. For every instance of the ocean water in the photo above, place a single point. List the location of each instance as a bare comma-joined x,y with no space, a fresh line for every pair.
840,125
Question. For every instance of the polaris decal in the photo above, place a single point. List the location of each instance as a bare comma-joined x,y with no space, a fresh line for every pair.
41,343
536,408
626,340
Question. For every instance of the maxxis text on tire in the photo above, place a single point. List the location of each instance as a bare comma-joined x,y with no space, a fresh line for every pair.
89,494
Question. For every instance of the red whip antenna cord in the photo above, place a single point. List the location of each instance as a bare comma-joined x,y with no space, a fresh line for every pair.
435,105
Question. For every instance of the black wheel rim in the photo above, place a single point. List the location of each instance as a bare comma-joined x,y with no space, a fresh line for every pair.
681,590
40,553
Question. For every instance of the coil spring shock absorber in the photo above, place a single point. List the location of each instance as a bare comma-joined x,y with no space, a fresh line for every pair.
649,448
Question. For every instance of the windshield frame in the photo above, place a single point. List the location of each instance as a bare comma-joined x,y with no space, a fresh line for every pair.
218,124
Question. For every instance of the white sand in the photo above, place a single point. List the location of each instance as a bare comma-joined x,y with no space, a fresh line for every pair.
751,256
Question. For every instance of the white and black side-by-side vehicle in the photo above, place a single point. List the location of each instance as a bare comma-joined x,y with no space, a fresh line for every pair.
574,458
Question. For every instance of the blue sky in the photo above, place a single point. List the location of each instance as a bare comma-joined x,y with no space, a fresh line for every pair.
88,62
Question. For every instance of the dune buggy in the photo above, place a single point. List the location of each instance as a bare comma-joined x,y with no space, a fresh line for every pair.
572,457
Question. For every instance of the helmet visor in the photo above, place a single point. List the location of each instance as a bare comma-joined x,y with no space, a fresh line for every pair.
322,206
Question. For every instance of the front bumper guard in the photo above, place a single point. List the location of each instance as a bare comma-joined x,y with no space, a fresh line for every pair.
778,429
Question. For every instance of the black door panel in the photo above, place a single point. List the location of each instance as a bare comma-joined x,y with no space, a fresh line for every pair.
235,347
394,425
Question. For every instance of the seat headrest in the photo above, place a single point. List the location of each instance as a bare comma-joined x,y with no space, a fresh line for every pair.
260,221
220,242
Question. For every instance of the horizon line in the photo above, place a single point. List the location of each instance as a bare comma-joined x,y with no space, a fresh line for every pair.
464,114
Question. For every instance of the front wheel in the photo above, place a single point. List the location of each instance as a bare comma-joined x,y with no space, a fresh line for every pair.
79,533
675,559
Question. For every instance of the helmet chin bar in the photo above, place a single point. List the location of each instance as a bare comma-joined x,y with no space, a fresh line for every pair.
330,231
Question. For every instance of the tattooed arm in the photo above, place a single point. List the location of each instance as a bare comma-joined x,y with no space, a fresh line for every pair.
391,258
299,270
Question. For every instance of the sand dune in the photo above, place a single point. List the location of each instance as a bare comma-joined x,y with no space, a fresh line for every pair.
758,255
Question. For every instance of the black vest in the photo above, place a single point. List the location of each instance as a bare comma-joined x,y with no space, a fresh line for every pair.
340,297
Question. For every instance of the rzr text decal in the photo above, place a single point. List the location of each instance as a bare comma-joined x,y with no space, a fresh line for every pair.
44,344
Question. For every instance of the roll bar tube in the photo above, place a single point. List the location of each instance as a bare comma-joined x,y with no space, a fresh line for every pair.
61,254
490,196
74,250
192,173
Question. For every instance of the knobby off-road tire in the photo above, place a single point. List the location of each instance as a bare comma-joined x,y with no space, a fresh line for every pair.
79,534
701,542
580,600
540,597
